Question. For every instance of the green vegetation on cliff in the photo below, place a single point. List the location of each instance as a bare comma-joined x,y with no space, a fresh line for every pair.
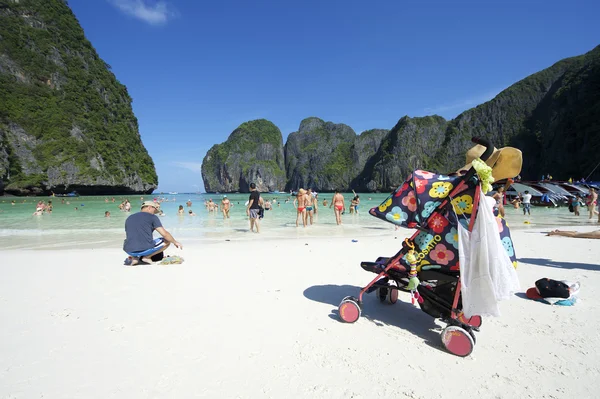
252,153
56,88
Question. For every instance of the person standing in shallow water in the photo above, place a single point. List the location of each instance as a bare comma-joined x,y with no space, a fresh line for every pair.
225,204
300,203
338,203
311,206
526,203
253,208
592,202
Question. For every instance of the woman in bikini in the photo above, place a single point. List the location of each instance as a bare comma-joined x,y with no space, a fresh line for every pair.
499,197
338,203
592,202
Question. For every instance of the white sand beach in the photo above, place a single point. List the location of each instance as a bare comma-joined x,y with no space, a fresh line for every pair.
257,319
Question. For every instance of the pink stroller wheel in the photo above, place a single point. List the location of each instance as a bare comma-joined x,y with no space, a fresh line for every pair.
457,341
349,310
474,321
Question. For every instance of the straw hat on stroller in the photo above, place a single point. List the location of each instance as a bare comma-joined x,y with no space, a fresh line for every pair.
505,162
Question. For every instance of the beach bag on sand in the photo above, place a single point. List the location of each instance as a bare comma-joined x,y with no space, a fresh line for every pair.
158,257
554,292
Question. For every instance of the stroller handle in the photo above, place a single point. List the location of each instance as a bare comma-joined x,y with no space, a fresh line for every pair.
489,148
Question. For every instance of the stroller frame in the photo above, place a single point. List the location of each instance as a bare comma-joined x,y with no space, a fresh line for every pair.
458,336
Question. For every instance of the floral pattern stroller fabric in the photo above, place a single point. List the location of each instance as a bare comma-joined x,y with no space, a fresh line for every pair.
413,203
428,265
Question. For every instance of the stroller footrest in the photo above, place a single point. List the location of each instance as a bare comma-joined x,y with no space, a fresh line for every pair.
373,267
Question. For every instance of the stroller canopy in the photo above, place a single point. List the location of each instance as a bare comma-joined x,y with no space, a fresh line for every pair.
416,204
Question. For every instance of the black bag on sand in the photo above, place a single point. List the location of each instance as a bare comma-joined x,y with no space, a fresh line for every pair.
549,288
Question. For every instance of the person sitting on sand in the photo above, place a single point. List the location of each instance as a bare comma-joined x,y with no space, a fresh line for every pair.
139,228
575,234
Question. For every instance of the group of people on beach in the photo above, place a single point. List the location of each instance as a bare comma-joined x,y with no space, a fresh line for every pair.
522,199
139,227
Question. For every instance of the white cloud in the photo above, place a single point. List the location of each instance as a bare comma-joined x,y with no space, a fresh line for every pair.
195,167
157,13
461,105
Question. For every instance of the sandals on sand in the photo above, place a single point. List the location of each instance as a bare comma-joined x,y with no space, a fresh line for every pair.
139,261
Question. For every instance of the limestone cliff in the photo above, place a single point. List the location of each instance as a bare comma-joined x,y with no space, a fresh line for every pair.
553,116
253,153
410,145
319,155
66,123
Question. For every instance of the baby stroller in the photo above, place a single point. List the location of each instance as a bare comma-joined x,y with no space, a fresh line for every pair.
433,204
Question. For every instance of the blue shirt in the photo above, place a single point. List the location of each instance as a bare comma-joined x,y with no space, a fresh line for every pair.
139,228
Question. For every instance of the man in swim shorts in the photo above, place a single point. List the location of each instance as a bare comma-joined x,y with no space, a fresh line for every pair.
300,202
139,228
338,203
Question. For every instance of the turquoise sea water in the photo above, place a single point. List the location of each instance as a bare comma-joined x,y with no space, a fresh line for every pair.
87,227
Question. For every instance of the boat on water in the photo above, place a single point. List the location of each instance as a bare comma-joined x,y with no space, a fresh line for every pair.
71,194
574,189
173,193
545,188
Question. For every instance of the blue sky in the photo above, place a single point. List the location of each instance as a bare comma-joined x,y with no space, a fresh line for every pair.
198,69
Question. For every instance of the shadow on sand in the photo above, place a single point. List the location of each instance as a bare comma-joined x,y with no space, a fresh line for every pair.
403,315
559,265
